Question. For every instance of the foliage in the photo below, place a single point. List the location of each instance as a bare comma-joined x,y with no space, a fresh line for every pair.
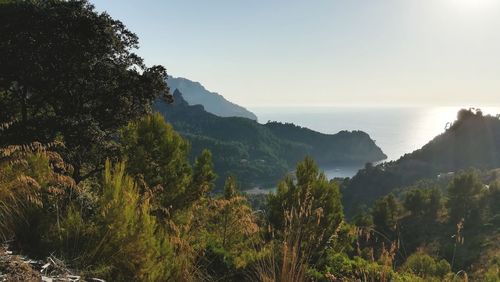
423,202
311,204
350,146
472,141
493,198
259,155
463,197
17,190
34,191
157,155
120,237
463,231
490,272
427,267
385,213
122,240
232,234
306,221
203,177
69,73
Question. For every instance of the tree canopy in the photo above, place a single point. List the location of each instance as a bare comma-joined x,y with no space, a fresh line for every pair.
69,73
309,203
72,89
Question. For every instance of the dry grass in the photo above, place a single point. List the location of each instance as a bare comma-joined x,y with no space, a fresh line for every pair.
26,172
288,255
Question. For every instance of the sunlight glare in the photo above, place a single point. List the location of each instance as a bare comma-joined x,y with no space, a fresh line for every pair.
474,5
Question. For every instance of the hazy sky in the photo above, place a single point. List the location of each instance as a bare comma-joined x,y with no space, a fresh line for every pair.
325,52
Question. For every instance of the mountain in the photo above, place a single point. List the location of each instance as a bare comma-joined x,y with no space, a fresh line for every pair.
343,148
257,154
195,94
473,141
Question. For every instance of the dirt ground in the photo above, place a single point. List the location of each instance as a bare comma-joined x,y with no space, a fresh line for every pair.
13,268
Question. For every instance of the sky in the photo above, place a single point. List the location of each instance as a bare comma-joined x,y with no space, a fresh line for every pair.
324,52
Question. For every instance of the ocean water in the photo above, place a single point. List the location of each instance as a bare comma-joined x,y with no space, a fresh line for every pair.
396,130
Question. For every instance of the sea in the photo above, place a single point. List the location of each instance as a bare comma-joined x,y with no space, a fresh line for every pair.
396,130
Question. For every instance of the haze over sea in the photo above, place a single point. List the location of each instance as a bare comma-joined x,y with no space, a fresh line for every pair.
396,130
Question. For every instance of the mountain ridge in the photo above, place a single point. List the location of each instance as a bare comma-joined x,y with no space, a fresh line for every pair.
260,154
472,141
194,93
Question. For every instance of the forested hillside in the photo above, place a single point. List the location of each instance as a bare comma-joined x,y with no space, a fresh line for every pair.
345,147
96,186
259,155
440,226
472,141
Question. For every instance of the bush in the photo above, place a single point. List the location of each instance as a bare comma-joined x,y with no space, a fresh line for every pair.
426,266
122,241
34,192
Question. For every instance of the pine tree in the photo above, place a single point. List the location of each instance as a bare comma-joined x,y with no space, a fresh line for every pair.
203,178
309,208
127,244
158,155
463,198
230,188
386,212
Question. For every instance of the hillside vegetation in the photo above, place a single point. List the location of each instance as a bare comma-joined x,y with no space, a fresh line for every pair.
257,154
472,141
93,183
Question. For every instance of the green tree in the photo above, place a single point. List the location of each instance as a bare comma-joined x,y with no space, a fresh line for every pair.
414,201
68,72
232,234
233,209
422,202
463,197
309,205
203,177
493,199
159,155
427,267
385,213
230,188
126,243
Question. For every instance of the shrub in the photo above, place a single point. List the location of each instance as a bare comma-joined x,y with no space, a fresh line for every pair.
122,241
426,266
34,192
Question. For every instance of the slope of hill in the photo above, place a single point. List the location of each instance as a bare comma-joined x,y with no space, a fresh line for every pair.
257,154
473,141
345,147
195,94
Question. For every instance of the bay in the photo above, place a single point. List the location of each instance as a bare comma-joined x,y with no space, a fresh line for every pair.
396,130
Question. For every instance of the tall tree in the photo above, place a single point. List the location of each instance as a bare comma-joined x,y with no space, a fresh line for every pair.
68,72
127,244
230,188
463,197
310,206
422,201
159,155
203,177
386,212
